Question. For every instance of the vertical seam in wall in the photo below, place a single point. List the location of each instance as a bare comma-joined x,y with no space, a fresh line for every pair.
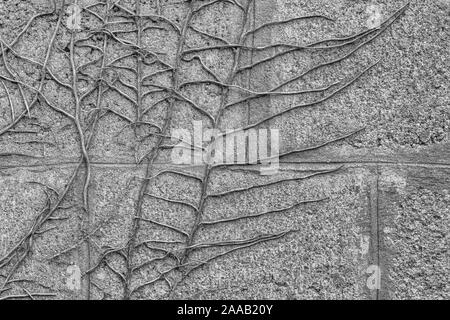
378,231
374,257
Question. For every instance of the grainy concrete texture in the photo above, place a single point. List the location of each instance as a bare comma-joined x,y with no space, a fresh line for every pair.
92,206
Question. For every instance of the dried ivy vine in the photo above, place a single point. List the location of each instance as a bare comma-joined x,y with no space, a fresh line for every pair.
105,74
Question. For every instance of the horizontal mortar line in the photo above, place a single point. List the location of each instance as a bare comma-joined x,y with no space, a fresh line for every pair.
373,162
309,162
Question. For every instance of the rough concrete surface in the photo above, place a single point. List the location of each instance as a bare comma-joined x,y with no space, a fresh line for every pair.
92,205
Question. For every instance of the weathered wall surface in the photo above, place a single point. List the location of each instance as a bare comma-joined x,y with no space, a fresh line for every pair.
370,196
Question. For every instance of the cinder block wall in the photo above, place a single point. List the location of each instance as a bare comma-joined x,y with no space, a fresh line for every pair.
93,207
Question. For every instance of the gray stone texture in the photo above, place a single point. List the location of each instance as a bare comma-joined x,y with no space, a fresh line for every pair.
387,206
